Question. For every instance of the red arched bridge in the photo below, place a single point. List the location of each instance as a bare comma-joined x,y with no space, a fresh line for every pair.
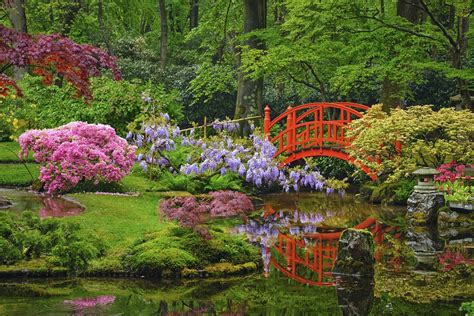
314,129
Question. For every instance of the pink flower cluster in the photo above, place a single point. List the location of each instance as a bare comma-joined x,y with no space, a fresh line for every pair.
78,151
451,171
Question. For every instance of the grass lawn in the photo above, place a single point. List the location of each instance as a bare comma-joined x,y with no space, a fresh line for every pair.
118,220
9,152
15,174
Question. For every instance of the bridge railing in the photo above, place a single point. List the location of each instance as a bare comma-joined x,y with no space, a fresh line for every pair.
312,125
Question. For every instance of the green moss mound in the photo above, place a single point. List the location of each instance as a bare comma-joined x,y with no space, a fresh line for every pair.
178,248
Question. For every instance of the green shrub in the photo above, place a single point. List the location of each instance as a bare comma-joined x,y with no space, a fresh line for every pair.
178,248
389,192
26,237
72,249
9,252
116,103
468,308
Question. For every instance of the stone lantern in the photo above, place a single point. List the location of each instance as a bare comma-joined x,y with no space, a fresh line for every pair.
425,201
425,177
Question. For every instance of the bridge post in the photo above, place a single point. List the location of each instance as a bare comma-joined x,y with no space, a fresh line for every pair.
291,127
266,122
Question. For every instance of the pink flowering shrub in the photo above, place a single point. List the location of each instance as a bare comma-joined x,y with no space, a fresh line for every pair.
78,151
192,211
451,171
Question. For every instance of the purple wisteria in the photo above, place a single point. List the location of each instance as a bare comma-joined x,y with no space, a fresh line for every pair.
251,158
264,231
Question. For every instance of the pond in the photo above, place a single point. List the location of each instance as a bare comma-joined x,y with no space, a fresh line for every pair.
298,237
253,295
46,206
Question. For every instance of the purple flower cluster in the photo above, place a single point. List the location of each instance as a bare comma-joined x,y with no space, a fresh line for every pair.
228,126
154,140
251,158
78,151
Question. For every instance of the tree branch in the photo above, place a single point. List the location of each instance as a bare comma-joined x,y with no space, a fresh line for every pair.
399,28
439,25
309,85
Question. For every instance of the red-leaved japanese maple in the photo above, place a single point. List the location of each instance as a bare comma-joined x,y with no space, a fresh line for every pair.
52,56
192,211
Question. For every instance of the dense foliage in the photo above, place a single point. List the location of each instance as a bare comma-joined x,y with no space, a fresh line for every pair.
27,237
76,152
115,103
428,138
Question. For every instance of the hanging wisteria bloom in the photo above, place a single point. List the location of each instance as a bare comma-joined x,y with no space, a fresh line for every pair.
250,158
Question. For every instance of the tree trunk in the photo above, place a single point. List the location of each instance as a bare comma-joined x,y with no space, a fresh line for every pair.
391,88
410,10
194,14
249,91
102,28
391,98
71,10
164,34
457,54
17,16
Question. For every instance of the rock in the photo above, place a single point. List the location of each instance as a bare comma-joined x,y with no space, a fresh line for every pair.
4,203
426,246
355,295
451,218
355,253
423,207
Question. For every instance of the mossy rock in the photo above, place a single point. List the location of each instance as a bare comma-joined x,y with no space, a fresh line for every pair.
355,253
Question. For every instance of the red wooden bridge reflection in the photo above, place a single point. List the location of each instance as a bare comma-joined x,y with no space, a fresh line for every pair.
316,253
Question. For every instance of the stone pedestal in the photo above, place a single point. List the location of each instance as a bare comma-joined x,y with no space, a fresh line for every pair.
355,253
426,246
423,207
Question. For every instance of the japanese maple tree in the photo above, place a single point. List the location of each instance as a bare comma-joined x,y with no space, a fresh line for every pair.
52,56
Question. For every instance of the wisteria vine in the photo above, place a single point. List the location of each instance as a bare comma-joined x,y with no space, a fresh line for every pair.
252,158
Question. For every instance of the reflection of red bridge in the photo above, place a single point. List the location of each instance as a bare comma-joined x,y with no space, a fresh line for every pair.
317,259
315,129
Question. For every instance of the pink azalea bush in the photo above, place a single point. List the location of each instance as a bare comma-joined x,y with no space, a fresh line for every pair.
78,151
451,171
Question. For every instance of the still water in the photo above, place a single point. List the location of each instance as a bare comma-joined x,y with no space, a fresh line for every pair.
298,237
45,206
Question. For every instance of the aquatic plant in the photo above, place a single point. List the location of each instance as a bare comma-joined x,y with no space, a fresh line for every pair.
76,152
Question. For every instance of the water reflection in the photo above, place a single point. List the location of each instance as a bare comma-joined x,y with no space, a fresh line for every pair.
298,235
46,206
301,246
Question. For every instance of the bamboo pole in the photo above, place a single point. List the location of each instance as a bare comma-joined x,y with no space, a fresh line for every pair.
205,125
